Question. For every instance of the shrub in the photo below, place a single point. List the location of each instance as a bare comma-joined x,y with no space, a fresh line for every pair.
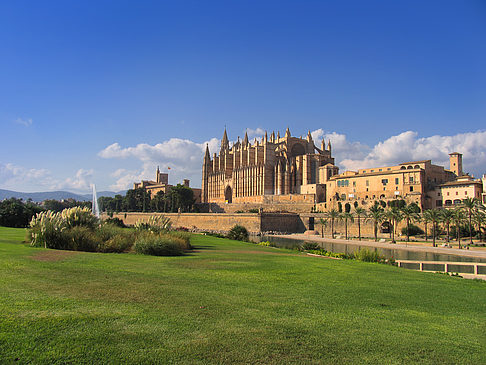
155,224
364,254
159,245
267,244
184,237
106,231
115,222
118,243
46,230
310,246
81,238
254,210
238,233
77,216
413,230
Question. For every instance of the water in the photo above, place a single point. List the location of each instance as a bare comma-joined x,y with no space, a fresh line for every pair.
94,207
397,254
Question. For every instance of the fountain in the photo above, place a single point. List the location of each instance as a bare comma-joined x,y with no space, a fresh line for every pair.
94,207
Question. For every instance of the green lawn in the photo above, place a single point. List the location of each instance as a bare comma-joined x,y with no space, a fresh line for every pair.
230,302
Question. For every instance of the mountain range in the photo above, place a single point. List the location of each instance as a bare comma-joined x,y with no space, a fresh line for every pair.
55,195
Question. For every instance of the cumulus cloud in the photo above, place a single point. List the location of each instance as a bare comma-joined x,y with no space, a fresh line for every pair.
255,133
341,147
27,122
408,146
80,182
184,157
13,176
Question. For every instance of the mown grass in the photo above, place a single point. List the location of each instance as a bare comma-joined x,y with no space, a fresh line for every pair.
230,302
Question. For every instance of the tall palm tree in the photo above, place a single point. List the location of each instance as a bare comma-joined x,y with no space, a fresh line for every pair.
410,215
426,219
435,218
470,204
332,215
345,217
447,215
376,214
458,219
394,216
359,212
323,223
479,219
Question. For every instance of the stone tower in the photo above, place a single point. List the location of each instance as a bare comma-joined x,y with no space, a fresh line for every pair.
455,160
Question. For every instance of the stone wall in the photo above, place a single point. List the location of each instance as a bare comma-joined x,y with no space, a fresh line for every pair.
223,222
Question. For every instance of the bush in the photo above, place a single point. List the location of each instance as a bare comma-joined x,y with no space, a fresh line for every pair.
115,222
184,237
159,245
76,216
46,230
155,224
254,210
106,231
81,238
366,255
413,230
118,243
310,246
267,244
238,233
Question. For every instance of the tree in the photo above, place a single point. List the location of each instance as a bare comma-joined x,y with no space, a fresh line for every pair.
394,216
447,215
323,223
410,215
479,218
15,213
435,217
376,214
360,212
345,217
332,215
470,204
458,219
181,198
426,219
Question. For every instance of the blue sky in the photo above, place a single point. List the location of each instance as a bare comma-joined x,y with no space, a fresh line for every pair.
104,91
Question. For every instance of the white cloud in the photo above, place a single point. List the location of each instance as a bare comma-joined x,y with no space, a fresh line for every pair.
340,146
25,122
407,146
81,181
14,176
255,133
184,157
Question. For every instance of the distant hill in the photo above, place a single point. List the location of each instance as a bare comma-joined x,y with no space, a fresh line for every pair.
55,195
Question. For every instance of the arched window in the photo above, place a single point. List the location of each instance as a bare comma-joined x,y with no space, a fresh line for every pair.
416,167
457,201
403,168
410,167
448,202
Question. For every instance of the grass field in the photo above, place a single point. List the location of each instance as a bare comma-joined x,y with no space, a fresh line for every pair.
230,302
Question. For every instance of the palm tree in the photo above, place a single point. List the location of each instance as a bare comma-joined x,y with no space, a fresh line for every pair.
360,212
394,216
332,215
470,204
345,217
323,223
458,219
376,214
410,215
435,217
479,218
447,215
426,219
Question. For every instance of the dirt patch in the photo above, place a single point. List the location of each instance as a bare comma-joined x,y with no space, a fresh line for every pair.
52,255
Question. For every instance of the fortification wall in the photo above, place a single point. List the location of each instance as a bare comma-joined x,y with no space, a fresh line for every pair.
222,222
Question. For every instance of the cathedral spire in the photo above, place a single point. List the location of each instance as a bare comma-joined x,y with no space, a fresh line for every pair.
245,140
224,141
309,136
266,137
207,156
278,135
272,137
287,133
329,146
323,144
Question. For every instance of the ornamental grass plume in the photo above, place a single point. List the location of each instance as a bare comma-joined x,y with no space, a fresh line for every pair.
46,229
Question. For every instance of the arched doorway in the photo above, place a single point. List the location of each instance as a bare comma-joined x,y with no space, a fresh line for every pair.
385,227
228,194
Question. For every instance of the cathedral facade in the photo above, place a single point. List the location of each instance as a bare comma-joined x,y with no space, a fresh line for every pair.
273,166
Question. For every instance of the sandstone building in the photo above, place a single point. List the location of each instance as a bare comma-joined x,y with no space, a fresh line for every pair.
161,183
292,174
284,168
